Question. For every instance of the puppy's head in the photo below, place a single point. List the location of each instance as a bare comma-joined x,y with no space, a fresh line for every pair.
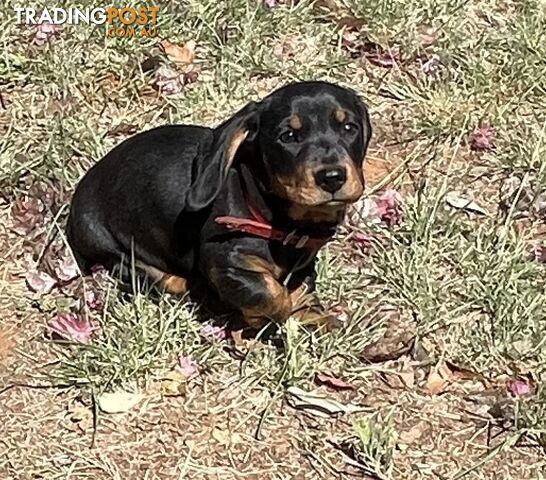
313,138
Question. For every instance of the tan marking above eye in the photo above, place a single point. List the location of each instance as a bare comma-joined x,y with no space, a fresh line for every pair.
340,114
295,122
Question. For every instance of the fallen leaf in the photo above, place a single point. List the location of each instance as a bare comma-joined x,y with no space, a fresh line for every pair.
184,55
482,138
173,384
427,35
7,343
413,435
397,340
318,405
187,366
519,387
455,200
66,268
438,379
210,331
46,32
226,438
118,402
40,282
122,129
72,327
333,382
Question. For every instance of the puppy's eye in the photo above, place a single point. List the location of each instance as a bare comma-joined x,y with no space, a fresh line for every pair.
350,127
288,137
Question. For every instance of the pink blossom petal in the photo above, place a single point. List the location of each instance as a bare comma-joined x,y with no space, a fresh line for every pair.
389,206
27,214
270,3
519,387
213,332
362,240
66,269
168,81
482,138
188,366
431,65
333,382
46,32
40,282
72,327
539,253
93,300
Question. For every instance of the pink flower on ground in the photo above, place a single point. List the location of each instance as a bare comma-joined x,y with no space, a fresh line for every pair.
40,282
431,65
66,269
538,254
187,366
362,240
72,327
46,31
27,213
519,387
93,300
210,331
389,207
168,81
482,138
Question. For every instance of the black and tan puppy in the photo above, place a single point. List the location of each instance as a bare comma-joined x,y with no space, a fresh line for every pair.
243,207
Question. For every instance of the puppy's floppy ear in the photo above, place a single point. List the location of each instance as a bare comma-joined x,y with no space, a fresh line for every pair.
210,169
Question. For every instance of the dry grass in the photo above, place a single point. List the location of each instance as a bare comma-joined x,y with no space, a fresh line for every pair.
462,283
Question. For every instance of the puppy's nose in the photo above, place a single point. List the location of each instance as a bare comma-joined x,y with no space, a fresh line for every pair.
331,179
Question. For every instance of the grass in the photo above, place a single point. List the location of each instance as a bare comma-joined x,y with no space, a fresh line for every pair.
465,279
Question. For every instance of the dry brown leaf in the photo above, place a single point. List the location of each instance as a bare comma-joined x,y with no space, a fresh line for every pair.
7,343
173,384
413,435
398,339
184,55
439,378
333,382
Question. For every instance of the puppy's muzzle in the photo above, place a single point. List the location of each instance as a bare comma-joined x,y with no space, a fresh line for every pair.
331,179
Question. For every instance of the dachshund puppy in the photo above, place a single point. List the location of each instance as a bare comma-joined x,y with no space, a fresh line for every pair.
244,207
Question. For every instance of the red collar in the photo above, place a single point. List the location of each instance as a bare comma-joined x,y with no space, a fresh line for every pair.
260,227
